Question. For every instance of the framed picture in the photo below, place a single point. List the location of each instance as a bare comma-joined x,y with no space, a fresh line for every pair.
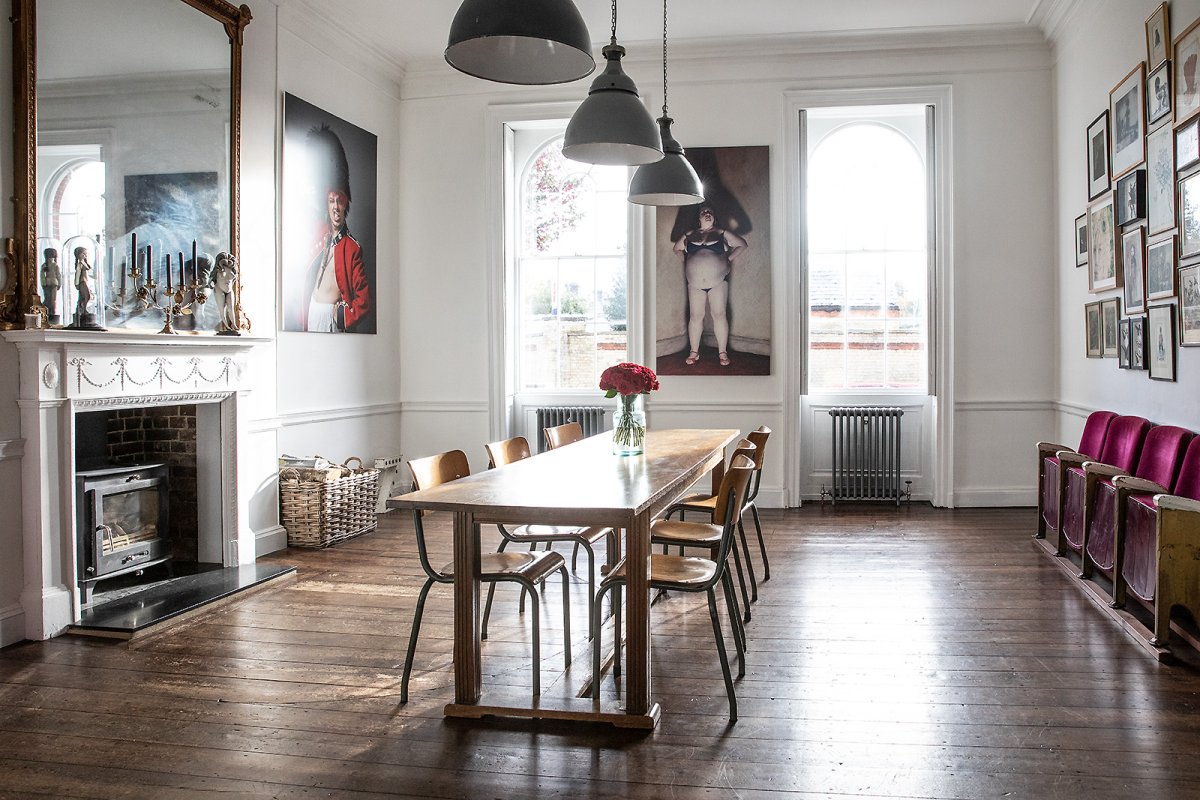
1160,269
1104,259
1137,342
1187,145
1189,306
1160,337
1160,181
1187,82
1133,246
1081,242
1110,318
1158,93
1091,315
1131,197
328,238
1189,216
1124,359
1097,155
1128,122
1158,38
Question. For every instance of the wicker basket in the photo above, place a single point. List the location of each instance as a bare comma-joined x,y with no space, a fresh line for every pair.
320,508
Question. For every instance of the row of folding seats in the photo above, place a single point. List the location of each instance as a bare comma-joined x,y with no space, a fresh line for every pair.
1127,503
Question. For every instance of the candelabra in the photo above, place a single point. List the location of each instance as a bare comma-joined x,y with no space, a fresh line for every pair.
181,299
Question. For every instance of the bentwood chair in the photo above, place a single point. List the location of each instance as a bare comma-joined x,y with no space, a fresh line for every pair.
694,575
506,452
564,434
526,569
678,533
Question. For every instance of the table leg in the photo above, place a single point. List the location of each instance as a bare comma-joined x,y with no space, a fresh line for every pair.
468,666
637,639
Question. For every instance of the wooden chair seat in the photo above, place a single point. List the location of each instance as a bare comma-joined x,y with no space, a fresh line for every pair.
530,566
683,573
557,533
697,502
686,534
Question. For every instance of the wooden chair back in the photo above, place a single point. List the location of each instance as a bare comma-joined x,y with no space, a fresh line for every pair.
561,435
759,438
737,476
507,451
429,472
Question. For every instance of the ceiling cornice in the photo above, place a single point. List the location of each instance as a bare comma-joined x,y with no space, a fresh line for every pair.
1052,16
314,23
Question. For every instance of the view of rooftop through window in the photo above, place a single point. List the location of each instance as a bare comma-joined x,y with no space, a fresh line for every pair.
867,251
571,268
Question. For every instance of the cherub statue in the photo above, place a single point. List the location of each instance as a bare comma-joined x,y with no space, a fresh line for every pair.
222,281
51,279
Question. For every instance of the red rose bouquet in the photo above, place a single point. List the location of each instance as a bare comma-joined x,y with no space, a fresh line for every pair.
630,381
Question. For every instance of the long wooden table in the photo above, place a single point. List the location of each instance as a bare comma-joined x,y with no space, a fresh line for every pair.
580,484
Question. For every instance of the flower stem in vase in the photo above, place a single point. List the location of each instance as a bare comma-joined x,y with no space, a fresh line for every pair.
629,426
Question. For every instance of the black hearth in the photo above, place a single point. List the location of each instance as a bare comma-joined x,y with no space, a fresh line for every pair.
122,522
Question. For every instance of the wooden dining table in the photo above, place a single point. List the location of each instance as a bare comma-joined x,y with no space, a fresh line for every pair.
579,484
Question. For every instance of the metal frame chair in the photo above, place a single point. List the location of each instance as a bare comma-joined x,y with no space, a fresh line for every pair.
526,569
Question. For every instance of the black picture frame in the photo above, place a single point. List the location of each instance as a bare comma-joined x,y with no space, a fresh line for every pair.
1124,355
1097,157
1093,336
1137,343
1131,197
1158,93
1081,241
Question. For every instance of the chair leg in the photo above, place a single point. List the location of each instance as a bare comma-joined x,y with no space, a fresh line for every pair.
720,640
749,563
412,639
739,632
591,578
737,563
762,545
537,639
575,557
597,642
617,630
566,616
487,607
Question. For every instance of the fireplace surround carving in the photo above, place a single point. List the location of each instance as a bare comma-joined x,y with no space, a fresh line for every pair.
66,373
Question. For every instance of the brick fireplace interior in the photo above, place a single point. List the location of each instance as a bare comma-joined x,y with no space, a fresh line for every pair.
145,435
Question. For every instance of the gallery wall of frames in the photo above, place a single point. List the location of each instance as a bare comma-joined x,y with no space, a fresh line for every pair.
1139,238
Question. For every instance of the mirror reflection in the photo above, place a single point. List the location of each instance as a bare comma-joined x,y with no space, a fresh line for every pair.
133,153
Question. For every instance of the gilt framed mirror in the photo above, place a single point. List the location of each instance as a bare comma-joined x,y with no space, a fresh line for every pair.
127,140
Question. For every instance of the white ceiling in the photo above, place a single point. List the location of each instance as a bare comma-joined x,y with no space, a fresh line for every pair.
412,32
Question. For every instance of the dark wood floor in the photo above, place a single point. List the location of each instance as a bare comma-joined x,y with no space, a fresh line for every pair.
895,653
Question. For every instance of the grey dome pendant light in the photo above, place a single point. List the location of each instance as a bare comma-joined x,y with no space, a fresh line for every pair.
612,126
672,181
527,42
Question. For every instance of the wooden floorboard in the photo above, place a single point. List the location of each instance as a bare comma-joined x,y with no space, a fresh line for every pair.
907,652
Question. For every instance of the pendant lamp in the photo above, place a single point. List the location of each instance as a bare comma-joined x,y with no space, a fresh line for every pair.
672,181
525,42
612,126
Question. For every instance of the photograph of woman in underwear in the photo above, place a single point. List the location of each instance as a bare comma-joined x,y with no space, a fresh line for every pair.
713,282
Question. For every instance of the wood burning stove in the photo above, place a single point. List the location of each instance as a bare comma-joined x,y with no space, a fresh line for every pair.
121,522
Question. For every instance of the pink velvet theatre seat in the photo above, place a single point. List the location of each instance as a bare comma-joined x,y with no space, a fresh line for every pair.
1158,543
1158,463
1122,445
1050,478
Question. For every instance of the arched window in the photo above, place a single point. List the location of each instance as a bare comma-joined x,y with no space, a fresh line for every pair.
868,257
73,202
570,270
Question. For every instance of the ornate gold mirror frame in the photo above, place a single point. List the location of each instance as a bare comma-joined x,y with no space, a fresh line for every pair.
20,294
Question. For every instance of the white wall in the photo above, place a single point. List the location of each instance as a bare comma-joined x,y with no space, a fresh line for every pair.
1002,300
1100,44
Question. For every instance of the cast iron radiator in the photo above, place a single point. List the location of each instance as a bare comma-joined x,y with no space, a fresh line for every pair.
590,418
866,454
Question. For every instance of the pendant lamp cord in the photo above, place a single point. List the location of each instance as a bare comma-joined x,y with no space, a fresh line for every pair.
664,58
614,22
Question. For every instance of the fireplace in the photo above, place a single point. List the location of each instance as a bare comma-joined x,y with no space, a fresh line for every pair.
66,376
121,522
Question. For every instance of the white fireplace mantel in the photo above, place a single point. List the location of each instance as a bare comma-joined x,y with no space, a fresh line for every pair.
64,372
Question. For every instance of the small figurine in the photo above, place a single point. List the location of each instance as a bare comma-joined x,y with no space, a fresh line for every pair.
51,281
224,276
85,318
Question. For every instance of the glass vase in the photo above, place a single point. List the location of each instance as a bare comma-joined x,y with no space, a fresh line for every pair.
629,425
